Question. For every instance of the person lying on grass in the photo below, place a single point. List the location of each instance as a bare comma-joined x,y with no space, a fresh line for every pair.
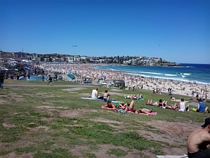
109,106
162,104
130,108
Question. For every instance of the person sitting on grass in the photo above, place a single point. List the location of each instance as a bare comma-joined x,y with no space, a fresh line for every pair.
94,94
106,96
122,108
198,143
202,106
109,106
131,107
160,104
182,105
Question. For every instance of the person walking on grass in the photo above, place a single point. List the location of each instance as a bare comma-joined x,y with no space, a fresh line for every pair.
198,143
50,80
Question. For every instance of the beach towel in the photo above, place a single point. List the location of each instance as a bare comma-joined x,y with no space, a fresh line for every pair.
171,156
116,103
89,98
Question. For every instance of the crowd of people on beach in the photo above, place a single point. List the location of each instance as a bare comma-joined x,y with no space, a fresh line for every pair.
82,71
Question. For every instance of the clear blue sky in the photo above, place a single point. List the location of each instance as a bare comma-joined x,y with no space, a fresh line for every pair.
176,30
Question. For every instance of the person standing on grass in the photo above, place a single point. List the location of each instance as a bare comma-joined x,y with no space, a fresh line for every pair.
198,143
1,79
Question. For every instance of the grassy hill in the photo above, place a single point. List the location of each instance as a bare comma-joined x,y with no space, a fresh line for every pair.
38,120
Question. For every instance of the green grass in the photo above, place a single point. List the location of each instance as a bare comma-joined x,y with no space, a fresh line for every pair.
43,132
56,153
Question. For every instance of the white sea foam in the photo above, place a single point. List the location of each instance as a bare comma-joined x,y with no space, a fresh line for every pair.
177,76
152,73
172,75
169,78
187,74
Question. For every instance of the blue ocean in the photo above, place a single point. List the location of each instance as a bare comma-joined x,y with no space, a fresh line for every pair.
199,73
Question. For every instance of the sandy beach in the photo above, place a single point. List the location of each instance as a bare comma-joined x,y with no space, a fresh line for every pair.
83,71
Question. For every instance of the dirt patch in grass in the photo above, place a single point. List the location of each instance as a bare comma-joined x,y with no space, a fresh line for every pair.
116,93
85,94
2,101
171,134
46,95
145,154
51,111
16,97
174,129
116,90
70,113
52,107
8,147
39,129
80,151
102,120
14,155
8,125
174,151
104,151
64,112
74,90
48,120
75,113
11,97
115,124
